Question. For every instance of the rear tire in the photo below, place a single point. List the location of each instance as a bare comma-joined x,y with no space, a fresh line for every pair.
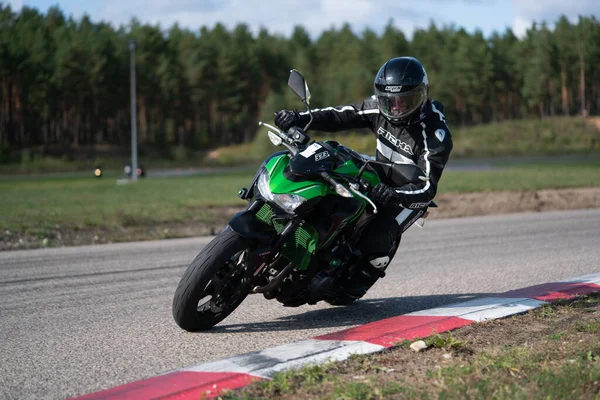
210,274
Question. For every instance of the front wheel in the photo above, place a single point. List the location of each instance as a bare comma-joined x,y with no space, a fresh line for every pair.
214,284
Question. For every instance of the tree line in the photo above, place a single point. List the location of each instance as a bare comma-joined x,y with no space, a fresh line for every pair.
65,82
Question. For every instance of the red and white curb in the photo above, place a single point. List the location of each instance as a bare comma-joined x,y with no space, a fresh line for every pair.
209,379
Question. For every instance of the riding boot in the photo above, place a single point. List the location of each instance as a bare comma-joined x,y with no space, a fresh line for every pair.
324,282
365,276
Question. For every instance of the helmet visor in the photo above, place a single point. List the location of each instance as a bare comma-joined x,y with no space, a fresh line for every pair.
401,105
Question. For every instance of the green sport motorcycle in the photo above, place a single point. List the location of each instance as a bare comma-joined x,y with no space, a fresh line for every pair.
307,208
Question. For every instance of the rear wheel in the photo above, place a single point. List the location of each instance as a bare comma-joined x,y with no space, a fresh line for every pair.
214,284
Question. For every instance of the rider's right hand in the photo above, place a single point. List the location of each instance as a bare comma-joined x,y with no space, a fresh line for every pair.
285,119
384,195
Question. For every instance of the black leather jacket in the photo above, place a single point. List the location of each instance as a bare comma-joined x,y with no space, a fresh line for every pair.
426,142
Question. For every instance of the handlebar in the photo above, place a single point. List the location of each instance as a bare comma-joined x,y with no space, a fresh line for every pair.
285,138
354,187
342,191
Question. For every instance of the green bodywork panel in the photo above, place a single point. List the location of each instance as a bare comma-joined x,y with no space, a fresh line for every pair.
305,241
349,168
279,184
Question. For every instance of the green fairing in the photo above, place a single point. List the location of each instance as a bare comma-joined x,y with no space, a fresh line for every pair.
308,239
279,184
349,168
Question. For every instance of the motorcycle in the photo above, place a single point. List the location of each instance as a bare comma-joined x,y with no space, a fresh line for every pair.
307,207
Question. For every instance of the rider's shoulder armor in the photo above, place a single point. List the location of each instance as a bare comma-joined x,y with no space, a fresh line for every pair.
370,103
438,105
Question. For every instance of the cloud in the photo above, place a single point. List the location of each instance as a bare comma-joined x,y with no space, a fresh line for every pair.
155,6
520,26
276,15
15,4
550,10
527,11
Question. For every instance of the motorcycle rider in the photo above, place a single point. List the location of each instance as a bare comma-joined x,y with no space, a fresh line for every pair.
410,128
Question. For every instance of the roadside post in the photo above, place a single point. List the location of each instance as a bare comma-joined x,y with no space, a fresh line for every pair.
132,47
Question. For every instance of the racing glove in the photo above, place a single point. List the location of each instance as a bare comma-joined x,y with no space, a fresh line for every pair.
285,119
384,195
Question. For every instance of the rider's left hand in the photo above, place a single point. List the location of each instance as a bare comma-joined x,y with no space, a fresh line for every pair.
384,195
285,119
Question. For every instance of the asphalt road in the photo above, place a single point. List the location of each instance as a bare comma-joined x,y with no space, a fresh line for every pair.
78,320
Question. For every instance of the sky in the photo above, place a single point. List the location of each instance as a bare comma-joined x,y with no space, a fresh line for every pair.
280,16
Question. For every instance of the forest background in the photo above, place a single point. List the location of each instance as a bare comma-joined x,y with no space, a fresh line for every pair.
64,82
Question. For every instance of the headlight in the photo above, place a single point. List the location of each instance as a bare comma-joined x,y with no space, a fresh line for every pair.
288,202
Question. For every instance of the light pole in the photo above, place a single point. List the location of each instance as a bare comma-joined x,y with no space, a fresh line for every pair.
132,47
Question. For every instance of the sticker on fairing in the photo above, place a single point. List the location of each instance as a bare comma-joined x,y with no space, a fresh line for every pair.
310,150
321,156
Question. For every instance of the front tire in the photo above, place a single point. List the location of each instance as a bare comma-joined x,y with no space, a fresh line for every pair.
215,276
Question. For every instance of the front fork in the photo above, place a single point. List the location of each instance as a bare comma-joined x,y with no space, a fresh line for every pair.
247,225
267,242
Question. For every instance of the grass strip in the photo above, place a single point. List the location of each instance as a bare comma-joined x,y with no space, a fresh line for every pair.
39,204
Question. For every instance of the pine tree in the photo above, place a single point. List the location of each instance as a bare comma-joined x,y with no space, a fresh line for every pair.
64,82
564,36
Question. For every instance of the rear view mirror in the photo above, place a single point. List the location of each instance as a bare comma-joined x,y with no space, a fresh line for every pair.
297,83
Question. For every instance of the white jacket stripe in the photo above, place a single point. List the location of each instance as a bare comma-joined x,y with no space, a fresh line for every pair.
392,155
427,167
371,111
343,109
435,110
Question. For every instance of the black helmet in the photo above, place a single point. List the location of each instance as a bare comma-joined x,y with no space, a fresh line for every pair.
401,88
